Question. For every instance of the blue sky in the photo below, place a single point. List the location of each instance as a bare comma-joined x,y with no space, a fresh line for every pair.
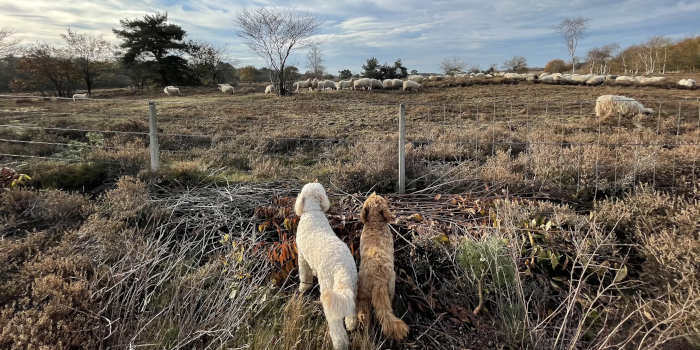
421,33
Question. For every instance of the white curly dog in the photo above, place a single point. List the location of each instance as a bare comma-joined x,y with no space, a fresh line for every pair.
323,254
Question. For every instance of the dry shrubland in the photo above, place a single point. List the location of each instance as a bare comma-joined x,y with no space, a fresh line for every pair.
559,229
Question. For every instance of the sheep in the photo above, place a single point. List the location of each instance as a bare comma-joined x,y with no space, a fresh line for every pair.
595,80
546,78
314,84
362,83
388,83
302,84
269,89
530,76
80,96
514,76
623,79
411,85
226,88
650,80
479,75
581,78
376,84
171,90
610,105
344,84
416,78
325,84
687,83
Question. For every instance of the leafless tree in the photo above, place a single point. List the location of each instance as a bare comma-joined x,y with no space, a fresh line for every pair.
572,30
516,64
206,60
88,52
8,45
599,58
314,60
274,35
452,65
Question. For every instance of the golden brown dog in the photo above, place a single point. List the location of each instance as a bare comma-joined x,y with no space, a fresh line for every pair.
377,276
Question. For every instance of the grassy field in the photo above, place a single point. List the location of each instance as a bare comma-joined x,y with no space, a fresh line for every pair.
572,231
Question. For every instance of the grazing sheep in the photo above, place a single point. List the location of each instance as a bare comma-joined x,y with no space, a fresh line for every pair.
376,84
269,89
623,79
416,78
314,84
615,105
410,85
302,84
581,78
595,80
344,84
226,88
323,254
362,83
546,78
688,83
530,76
479,75
325,84
80,96
171,90
514,76
388,83
644,81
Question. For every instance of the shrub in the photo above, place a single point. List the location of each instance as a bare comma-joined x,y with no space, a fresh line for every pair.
556,66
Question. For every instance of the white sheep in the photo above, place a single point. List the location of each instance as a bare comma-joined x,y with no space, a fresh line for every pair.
269,89
546,78
410,85
329,84
80,96
344,84
171,90
650,80
376,84
226,88
302,84
388,83
416,78
595,80
362,83
688,83
625,79
581,78
314,84
615,105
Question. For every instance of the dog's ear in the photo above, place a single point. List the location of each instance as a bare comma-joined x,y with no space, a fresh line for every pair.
299,204
386,213
363,214
324,202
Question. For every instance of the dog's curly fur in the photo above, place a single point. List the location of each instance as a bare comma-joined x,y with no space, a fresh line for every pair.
377,276
323,254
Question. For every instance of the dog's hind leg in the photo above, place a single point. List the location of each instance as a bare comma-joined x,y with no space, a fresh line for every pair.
306,277
339,336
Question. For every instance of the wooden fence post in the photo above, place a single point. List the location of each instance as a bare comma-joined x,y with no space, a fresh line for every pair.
153,133
402,148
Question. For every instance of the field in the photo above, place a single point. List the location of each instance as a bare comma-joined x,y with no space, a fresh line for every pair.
573,231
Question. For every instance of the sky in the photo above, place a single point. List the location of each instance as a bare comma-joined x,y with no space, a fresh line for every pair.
420,32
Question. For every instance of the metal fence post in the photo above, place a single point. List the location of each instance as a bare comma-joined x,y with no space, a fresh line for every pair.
153,133
402,148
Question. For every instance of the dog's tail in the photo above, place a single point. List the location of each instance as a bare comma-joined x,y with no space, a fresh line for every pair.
339,301
392,326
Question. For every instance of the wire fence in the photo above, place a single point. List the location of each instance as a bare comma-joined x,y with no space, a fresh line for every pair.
546,144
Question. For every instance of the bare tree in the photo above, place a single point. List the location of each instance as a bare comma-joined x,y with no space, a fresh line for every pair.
599,58
516,64
88,52
274,35
314,60
572,30
452,65
206,60
7,44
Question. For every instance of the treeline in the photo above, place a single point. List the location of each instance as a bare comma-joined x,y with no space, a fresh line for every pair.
152,52
658,55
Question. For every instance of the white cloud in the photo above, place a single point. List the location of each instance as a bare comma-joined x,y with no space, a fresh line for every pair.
421,32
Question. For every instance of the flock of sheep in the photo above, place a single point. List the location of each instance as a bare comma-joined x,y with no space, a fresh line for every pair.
571,79
414,82
409,84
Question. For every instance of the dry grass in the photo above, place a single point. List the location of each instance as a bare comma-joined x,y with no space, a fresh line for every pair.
571,225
